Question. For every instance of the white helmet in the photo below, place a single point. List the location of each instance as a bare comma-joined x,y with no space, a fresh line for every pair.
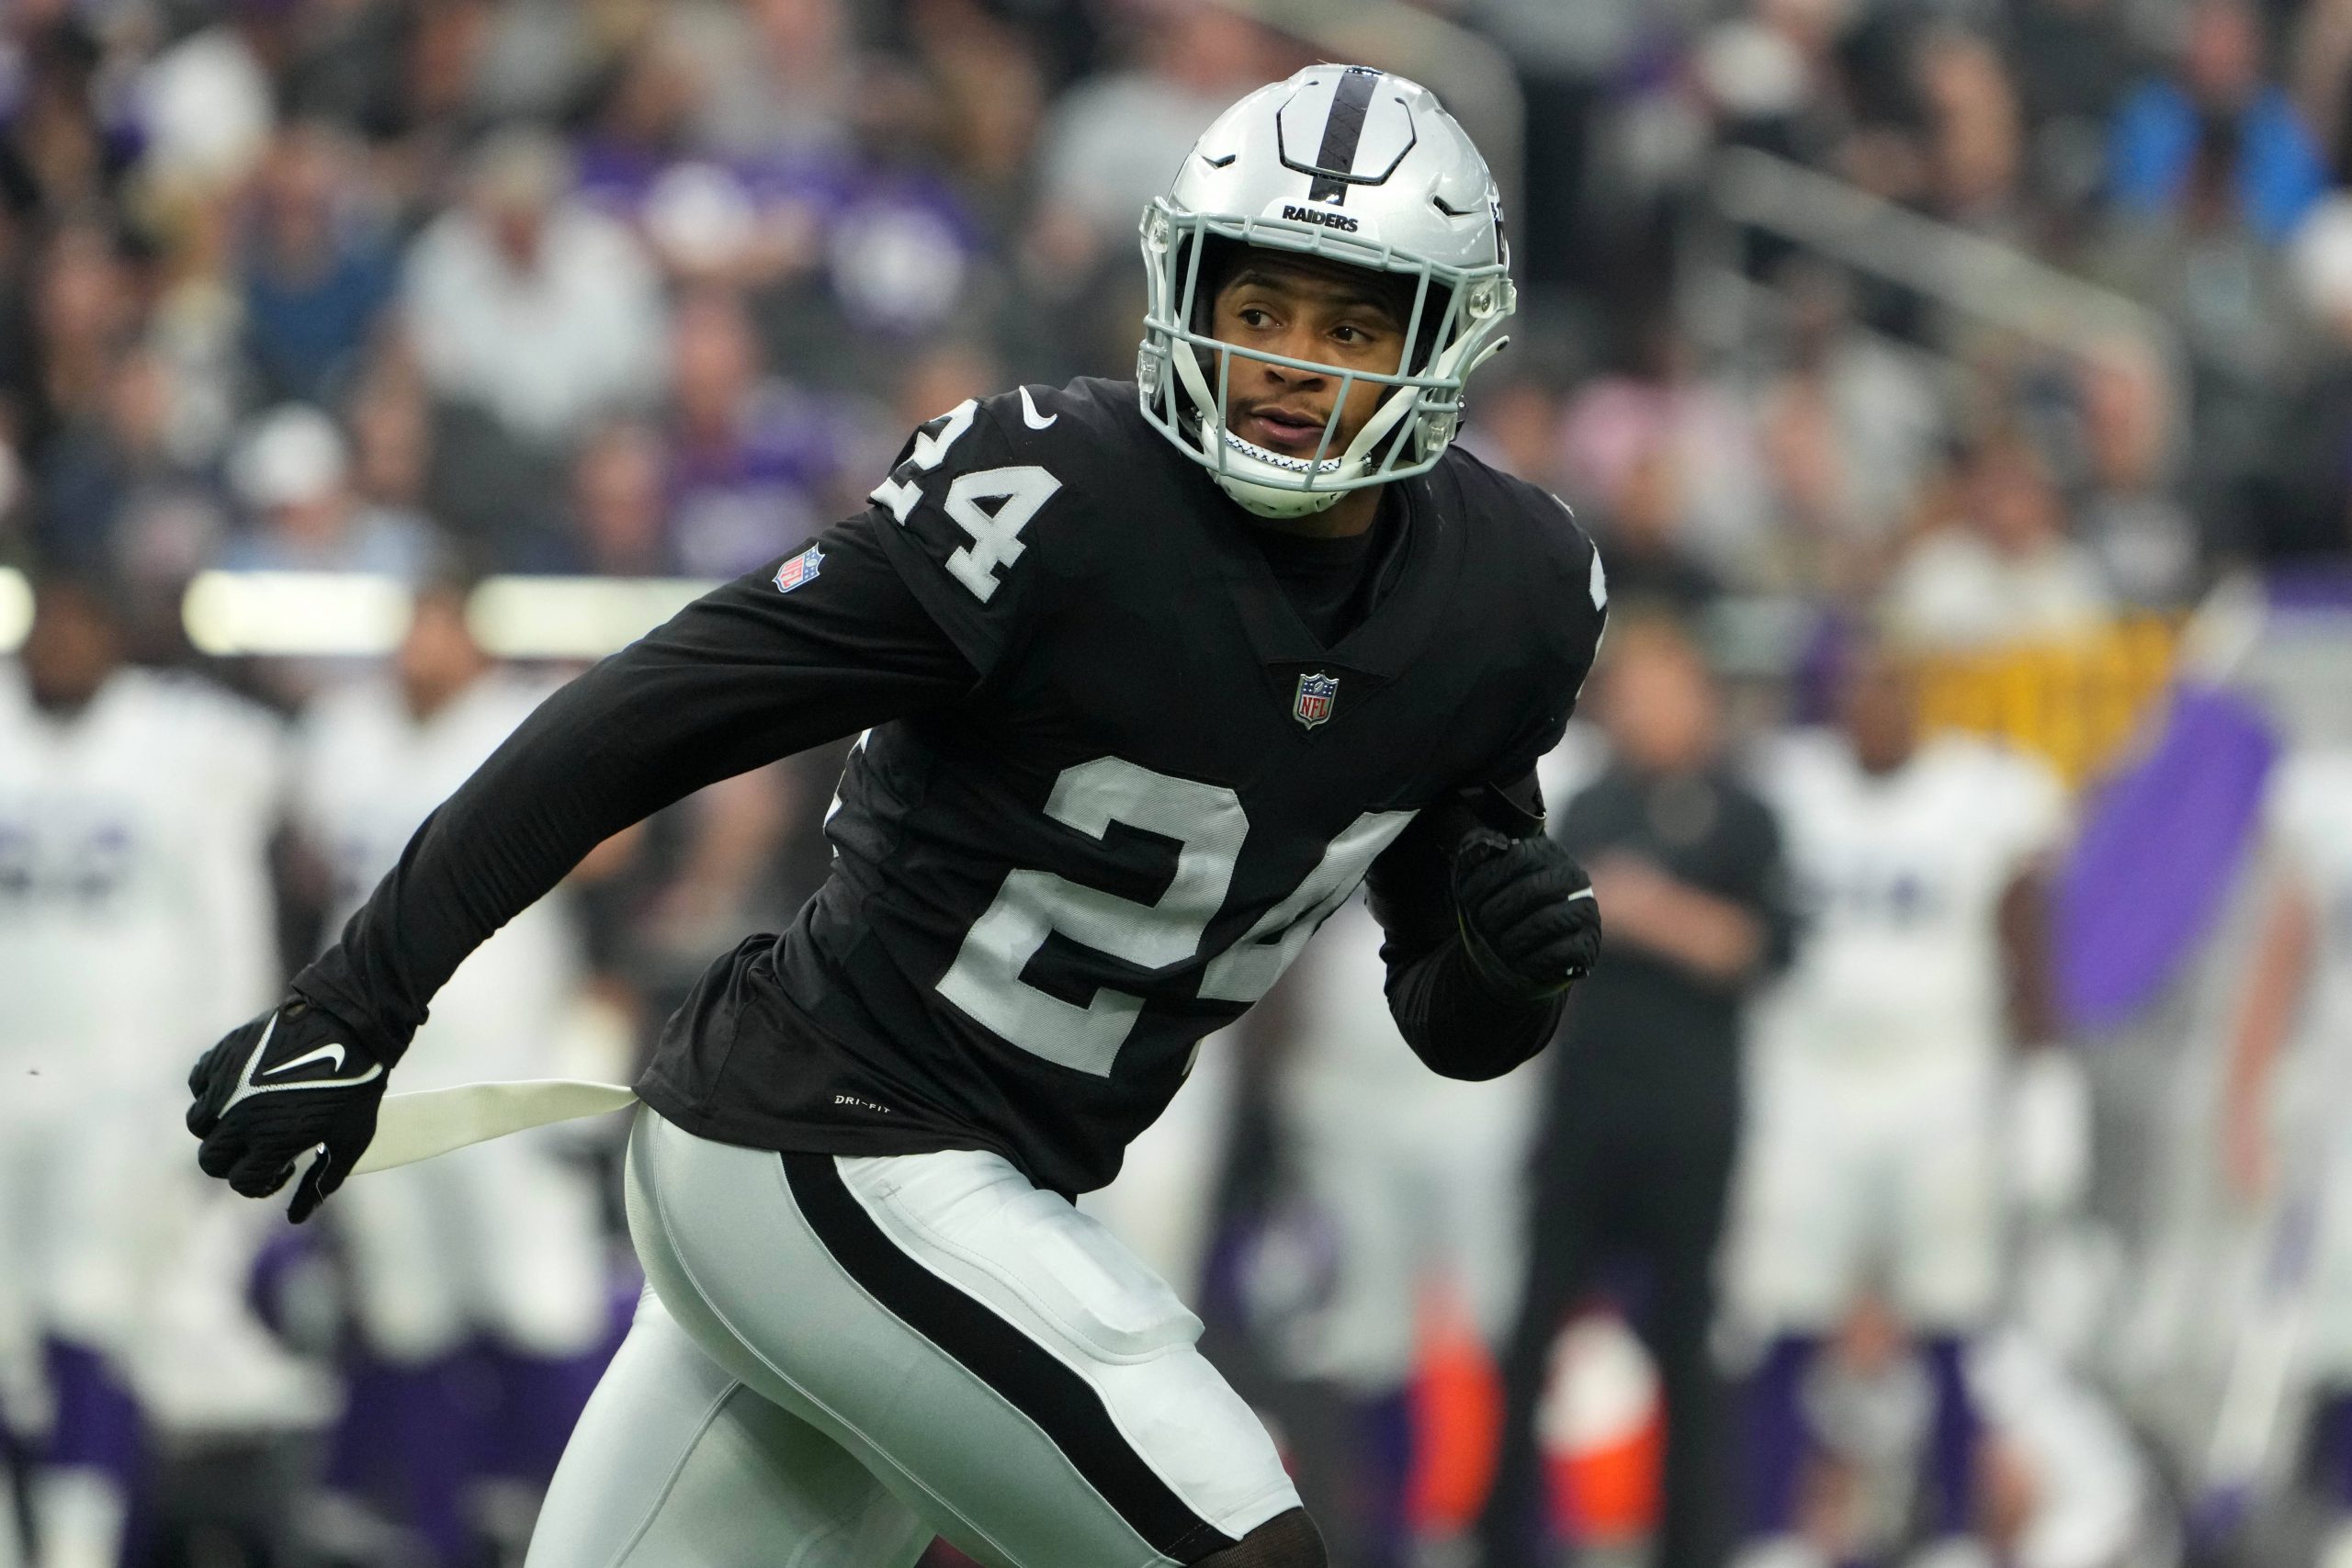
1354,165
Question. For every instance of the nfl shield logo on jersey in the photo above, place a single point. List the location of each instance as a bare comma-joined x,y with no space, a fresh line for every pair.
798,569
1316,694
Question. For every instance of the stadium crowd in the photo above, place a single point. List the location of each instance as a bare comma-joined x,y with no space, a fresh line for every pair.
2049,334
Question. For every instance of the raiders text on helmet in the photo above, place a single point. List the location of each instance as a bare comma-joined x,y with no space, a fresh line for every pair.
1354,165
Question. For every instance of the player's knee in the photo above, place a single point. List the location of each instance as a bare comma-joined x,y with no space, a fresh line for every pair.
1286,1541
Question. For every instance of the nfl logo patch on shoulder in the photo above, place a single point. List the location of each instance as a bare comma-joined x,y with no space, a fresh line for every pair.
1317,693
798,569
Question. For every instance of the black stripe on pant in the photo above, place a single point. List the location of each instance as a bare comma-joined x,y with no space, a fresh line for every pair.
1034,1380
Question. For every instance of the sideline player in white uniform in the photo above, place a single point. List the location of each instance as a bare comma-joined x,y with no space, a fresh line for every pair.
502,1240
135,814
1874,1159
2287,1115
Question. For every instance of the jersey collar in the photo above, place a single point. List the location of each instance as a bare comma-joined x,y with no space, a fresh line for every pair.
1402,620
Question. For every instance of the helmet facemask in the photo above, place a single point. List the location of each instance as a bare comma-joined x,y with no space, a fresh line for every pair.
1451,327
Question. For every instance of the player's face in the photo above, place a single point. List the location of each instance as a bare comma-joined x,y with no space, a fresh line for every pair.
1881,710
1304,309
70,648
1660,709
439,657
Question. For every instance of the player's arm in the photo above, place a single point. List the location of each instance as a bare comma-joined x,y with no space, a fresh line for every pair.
1487,923
746,675
2275,986
2023,920
1726,937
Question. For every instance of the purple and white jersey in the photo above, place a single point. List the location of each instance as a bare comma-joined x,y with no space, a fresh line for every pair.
135,913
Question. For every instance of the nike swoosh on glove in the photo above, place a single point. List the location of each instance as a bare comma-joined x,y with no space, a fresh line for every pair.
1529,922
293,1080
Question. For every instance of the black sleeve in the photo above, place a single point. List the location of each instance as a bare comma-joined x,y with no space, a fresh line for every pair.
1458,1027
746,675
1455,1024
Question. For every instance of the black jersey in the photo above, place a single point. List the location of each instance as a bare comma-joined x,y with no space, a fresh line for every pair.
1112,785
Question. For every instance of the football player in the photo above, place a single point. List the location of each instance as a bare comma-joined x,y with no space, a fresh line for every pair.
1880,1060
1153,674
2284,1122
503,1239
135,814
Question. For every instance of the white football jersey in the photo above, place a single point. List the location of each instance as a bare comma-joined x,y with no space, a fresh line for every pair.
136,923
1900,879
367,776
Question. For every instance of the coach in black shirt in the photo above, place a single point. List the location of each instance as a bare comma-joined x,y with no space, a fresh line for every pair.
1634,1156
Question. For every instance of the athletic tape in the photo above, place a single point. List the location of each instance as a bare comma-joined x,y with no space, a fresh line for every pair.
411,1127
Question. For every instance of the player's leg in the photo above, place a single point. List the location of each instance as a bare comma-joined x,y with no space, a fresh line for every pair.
95,1219
1683,1188
405,1443
1800,1228
534,1272
676,1464
1356,1347
995,1357
1565,1215
1946,1275
23,1390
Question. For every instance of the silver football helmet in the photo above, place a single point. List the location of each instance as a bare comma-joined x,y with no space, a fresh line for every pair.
1354,165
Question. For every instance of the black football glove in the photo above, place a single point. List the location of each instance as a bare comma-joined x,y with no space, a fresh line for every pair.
1529,922
293,1080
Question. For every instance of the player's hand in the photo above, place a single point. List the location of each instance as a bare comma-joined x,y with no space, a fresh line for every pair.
1529,921
293,1080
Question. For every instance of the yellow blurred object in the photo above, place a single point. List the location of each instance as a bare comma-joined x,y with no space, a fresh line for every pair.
2074,703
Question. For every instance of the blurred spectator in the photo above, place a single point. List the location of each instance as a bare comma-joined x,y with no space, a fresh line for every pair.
2304,494
318,271
392,440
778,75
1847,432
116,496
2073,62
1110,143
756,464
1516,427
1641,533
292,472
984,89
57,158
83,310
528,304
1642,1110
2128,511
1661,402
2218,99
1975,140
207,102
2005,571
617,524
